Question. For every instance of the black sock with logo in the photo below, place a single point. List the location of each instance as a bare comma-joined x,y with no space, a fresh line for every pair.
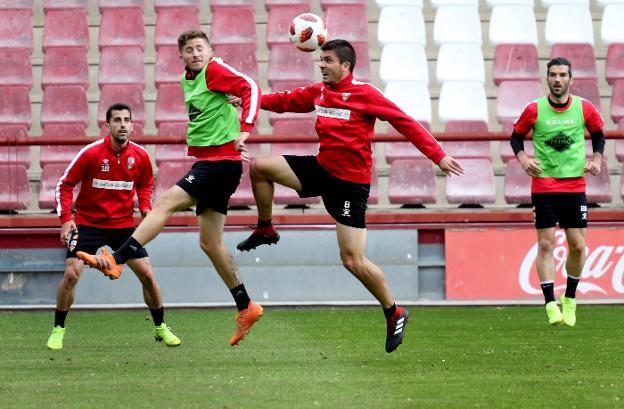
240,297
548,288
127,250
571,286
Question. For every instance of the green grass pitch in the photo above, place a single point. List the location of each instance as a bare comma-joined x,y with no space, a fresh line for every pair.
494,357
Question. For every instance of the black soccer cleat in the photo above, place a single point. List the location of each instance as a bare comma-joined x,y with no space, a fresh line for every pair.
260,236
395,329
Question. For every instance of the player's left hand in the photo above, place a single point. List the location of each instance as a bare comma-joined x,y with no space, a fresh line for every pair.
593,166
235,101
239,144
449,166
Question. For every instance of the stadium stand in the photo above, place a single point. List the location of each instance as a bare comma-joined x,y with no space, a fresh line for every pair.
172,152
170,22
457,24
170,105
159,5
401,24
513,96
412,97
66,28
581,56
15,68
515,62
403,62
516,184
599,186
50,175
131,95
462,101
15,192
437,3
386,3
467,149
15,106
14,154
289,64
588,89
51,5
241,57
325,4
619,144
347,20
222,31
460,62
512,24
168,175
65,66
16,29
27,5
60,154
112,4
168,68
617,101
215,4
560,17
279,18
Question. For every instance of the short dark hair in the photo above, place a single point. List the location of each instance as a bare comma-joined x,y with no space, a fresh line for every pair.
189,35
117,107
559,61
344,50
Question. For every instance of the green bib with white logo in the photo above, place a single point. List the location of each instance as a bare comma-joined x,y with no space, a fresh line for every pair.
212,121
559,139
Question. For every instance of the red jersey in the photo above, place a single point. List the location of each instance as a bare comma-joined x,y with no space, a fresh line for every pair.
524,124
345,122
108,181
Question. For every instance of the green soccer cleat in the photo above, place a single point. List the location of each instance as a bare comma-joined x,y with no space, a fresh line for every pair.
554,314
162,333
568,307
56,338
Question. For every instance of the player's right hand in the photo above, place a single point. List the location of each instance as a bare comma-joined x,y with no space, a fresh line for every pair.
531,166
68,230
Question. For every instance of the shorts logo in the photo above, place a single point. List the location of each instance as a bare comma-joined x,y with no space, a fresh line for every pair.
105,166
190,178
346,209
583,212
130,163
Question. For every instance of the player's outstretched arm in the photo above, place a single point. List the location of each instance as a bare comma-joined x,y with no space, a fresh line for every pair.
449,166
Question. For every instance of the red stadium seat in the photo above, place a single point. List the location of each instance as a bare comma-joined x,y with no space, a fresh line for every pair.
515,62
171,22
599,186
580,55
168,175
243,196
617,101
614,64
66,28
622,183
588,89
280,86
285,195
278,21
330,3
160,5
362,70
50,176
121,66
507,153
373,196
64,104
241,57
131,95
15,106
402,150
412,182
517,184
82,5
65,66
15,191
222,31
348,22
16,29
288,63
170,105
172,152
113,4
122,27
19,155
15,67
270,4
513,96
168,68
60,153
475,187
294,127
467,149
619,143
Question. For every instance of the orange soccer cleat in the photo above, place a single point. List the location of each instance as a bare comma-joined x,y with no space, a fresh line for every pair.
244,320
104,262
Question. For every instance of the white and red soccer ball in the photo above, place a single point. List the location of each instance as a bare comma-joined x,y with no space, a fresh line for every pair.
307,32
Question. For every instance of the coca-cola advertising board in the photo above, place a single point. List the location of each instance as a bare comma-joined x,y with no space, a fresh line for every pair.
499,264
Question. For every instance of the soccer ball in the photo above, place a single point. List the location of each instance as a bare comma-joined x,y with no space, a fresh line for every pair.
307,32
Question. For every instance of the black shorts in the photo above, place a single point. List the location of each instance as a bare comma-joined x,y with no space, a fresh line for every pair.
212,183
90,239
569,209
345,201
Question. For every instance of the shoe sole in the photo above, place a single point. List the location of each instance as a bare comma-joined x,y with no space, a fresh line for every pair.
169,345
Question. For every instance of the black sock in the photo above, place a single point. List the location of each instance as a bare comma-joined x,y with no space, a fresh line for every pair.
59,318
240,297
571,286
548,288
127,250
158,315
389,312
265,223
